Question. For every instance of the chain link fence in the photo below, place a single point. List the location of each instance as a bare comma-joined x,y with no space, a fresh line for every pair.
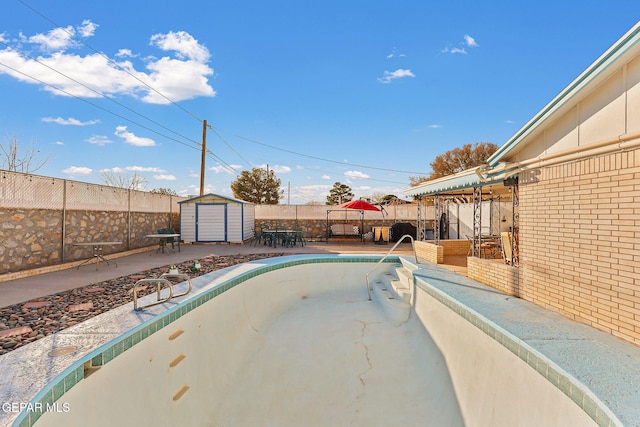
42,217
25,191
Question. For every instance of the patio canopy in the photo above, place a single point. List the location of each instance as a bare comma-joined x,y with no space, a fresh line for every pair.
461,183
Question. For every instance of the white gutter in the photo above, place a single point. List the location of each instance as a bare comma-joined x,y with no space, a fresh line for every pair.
624,142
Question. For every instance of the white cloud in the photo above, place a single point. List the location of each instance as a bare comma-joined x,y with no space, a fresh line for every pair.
179,76
470,41
57,39
434,126
325,177
223,168
130,138
87,29
143,169
183,44
99,140
125,53
306,193
59,143
177,80
394,53
165,177
275,168
70,121
356,175
467,42
278,168
458,50
114,170
77,170
393,75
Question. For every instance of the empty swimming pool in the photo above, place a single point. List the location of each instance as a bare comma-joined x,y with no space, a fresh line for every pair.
296,341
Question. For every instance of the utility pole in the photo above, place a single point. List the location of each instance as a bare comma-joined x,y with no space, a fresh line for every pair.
204,152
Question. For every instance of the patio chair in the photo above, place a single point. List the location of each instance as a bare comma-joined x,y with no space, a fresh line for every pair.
507,253
470,239
299,237
257,237
171,240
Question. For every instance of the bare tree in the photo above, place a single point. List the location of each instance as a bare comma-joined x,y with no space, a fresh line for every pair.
15,159
123,180
164,191
458,160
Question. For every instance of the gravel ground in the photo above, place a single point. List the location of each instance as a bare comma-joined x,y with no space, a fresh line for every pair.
52,313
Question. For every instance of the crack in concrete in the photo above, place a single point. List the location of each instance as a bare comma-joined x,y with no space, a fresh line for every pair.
369,368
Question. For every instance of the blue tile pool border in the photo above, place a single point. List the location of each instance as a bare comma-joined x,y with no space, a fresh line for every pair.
104,354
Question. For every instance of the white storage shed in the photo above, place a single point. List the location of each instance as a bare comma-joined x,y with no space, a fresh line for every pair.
214,218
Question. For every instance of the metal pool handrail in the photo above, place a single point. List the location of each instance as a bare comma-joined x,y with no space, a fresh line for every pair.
413,246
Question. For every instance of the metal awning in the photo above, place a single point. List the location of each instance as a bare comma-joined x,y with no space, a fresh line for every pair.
453,184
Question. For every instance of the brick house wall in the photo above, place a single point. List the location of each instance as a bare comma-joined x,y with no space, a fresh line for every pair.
579,241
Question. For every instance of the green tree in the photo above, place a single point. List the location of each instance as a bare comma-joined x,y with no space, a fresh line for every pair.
340,193
259,186
458,160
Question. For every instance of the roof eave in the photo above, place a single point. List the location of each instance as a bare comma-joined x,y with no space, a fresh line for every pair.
602,64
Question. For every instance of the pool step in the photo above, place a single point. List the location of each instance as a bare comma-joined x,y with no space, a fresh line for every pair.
396,310
393,292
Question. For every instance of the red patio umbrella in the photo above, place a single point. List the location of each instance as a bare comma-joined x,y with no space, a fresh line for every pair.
360,205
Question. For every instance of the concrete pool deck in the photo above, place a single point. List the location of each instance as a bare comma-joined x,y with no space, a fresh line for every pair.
27,285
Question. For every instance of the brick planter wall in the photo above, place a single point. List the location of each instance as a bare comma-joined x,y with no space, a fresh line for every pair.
494,273
430,252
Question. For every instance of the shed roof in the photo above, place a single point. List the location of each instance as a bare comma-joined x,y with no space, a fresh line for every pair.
209,195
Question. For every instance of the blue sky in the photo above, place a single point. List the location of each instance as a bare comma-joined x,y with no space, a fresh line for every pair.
364,93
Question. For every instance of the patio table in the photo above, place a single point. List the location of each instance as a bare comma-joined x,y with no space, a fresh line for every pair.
491,243
162,241
286,237
97,252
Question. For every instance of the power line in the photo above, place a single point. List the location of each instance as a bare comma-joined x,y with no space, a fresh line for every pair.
316,157
230,147
211,154
110,60
89,88
97,106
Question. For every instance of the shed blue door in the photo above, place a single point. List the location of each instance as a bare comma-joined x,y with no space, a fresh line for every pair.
211,222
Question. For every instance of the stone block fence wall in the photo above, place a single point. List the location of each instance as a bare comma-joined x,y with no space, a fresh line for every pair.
42,217
33,238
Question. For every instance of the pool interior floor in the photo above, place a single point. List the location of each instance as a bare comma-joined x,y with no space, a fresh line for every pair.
334,359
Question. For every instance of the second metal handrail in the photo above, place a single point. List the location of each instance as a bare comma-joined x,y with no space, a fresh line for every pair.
413,246
162,280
